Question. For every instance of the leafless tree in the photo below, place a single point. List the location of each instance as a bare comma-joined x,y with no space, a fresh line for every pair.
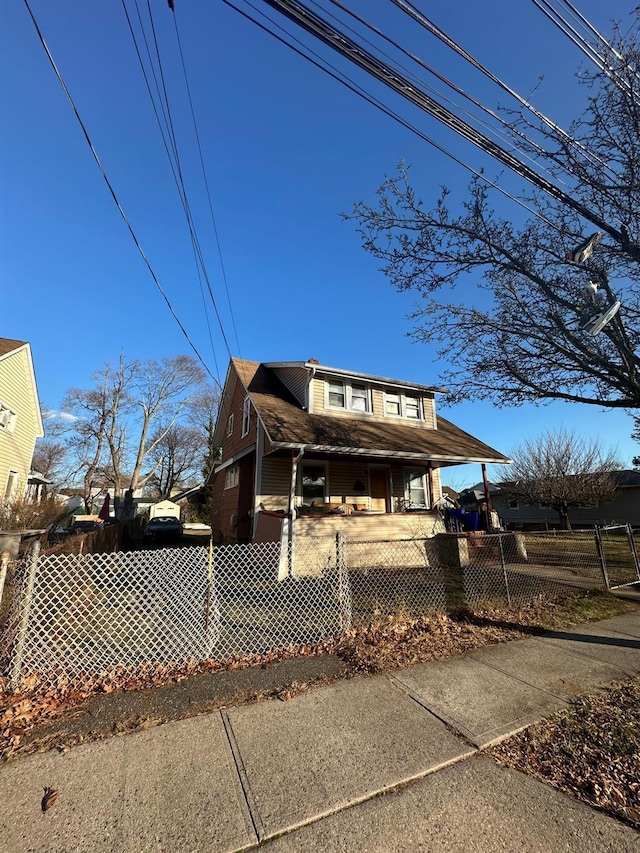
176,459
117,421
511,327
49,459
561,470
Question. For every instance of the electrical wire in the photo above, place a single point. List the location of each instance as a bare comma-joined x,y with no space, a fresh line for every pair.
356,89
112,191
206,182
409,9
357,54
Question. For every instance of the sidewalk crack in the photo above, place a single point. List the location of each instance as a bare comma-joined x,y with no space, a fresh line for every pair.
252,808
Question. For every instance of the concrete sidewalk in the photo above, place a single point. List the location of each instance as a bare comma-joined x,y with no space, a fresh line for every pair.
309,773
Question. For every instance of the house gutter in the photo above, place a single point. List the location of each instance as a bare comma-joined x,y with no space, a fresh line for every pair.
395,454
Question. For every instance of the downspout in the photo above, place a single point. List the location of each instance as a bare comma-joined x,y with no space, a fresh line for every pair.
257,480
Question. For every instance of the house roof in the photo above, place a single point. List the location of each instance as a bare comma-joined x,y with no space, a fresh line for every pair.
624,478
288,425
8,345
368,377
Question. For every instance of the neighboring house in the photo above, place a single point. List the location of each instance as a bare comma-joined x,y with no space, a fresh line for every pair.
623,509
320,449
20,418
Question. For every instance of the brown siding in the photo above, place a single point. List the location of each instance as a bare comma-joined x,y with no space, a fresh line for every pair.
236,442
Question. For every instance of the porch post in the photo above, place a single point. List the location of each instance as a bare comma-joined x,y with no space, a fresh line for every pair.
487,495
432,503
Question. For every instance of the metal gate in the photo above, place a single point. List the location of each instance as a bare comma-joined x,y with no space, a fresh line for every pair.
619,555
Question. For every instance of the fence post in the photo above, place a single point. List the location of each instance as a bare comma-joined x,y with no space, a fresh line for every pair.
632,546
4,563
343,585
600,549
504,570
21,636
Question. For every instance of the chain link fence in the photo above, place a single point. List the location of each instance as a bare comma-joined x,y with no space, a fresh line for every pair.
75,615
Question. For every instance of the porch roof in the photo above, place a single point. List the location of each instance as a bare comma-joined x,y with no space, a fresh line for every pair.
290,426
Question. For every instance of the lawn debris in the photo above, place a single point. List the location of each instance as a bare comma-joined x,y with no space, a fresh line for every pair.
590,751
50,798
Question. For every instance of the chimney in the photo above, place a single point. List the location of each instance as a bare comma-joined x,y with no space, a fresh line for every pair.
312,361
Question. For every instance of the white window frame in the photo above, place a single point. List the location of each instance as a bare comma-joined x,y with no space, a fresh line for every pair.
246,416
347,386
425,486
230,425
313,464
8,417
403,398
231,477
11,487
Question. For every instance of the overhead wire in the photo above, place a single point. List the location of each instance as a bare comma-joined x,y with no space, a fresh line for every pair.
410,10
113,192
370,99
507,139
358,55
184,195
163,135
206,181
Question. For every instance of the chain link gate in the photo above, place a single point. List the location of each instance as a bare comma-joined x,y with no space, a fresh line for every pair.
619,555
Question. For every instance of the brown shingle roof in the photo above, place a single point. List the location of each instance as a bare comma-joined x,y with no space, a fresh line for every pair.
288,424
7,345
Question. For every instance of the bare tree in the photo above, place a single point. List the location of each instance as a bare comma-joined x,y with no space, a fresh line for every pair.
176,459
113,435
561,470
49,459
517,331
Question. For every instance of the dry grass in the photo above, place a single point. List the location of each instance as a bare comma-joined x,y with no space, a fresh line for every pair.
591,751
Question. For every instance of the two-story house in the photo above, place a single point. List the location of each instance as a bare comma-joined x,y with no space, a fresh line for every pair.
319,449
20,418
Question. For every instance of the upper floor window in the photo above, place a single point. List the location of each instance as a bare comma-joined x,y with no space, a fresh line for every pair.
398,405
8,418
246,416
230,425
353,396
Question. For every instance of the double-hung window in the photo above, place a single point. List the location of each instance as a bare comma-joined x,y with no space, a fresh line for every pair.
350,396
230,425
397,405
232,477
8,418
415,491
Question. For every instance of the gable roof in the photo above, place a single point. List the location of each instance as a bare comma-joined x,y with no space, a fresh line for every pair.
9,346
288,425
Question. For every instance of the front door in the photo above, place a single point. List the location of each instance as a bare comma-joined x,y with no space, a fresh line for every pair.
245,497
379,489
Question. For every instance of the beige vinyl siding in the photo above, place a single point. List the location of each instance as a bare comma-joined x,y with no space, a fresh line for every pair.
437,484
428,420
295,379
276,482
368,528
342,477
16,391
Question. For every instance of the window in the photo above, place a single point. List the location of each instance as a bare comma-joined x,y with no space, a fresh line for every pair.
246,416
337,396
230,425
12,485
354,396
232,477
392,405
414,489
412,408
398,405
8,418
314,484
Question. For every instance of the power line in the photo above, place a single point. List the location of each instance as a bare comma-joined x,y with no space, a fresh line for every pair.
357,54
112,191
370,99
204,175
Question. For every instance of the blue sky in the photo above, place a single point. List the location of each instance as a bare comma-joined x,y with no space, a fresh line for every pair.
286,149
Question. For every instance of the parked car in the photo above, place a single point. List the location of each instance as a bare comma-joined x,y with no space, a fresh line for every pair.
163,529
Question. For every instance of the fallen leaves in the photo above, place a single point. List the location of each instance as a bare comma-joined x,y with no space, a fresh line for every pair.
50,798
591,751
